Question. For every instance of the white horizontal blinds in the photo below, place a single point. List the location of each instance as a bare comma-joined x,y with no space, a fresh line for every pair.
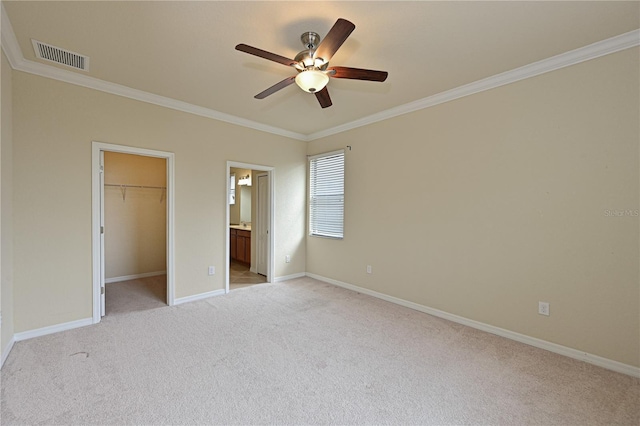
326,195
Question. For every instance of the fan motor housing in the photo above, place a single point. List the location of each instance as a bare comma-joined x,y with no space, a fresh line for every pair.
306,61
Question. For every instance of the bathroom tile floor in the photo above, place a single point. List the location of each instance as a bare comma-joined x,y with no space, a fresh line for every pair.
240,276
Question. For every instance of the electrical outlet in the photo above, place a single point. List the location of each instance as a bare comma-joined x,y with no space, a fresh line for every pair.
212,270
543,308
369,269
287,259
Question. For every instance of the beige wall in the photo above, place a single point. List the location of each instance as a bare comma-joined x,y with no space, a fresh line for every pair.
483,206
54,125
135,224
6,204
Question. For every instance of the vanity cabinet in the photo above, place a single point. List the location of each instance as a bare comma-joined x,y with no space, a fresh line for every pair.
240,245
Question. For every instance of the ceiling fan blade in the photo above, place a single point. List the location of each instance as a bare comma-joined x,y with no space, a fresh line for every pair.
324,98
264,54
357,74
273,89
334,39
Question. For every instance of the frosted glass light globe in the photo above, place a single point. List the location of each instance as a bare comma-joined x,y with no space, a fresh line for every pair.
312,81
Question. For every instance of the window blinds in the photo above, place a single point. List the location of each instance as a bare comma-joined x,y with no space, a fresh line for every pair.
326,194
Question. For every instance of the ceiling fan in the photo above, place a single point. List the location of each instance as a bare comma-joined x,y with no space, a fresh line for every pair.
312,63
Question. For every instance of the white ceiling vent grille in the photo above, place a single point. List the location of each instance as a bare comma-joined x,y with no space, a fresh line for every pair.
60,56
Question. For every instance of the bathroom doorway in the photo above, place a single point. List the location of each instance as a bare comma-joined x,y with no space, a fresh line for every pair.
249,224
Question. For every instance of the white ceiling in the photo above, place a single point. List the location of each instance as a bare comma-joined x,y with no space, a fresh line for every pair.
185,50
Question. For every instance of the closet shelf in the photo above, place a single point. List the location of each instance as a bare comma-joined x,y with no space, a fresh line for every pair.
123,189
135,186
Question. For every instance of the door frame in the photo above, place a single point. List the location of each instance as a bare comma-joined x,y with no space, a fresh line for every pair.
96,193
271,209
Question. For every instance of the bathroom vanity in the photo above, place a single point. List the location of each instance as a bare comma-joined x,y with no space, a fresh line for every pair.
240,243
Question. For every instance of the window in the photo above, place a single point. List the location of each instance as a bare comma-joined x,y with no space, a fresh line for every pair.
326,194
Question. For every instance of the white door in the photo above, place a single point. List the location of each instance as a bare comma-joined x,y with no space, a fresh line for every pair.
102,287
262,244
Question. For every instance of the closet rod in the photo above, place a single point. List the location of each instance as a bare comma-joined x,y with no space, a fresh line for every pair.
123,189
135,186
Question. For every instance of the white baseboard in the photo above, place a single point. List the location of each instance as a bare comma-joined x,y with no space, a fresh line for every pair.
134,277
5,351
200,296
289,277
52,329
522,338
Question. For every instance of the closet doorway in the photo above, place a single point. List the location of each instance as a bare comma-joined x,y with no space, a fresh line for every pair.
249,225
133,207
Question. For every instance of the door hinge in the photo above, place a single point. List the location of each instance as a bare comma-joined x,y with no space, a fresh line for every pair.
102,229
101,168
101,290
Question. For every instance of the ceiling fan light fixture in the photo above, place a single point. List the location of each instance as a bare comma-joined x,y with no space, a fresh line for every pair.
312,81
312,63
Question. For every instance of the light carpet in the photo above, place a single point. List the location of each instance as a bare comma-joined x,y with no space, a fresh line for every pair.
136,295
301,352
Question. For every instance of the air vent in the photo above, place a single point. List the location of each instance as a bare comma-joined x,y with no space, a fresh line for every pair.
60,56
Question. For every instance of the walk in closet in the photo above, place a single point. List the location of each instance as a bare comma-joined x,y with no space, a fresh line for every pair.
135,232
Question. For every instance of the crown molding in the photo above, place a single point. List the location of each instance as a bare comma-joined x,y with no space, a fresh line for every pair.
572,57
18,62
139,95
9,42
611,45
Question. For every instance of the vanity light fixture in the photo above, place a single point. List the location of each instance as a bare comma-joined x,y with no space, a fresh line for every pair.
244,180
